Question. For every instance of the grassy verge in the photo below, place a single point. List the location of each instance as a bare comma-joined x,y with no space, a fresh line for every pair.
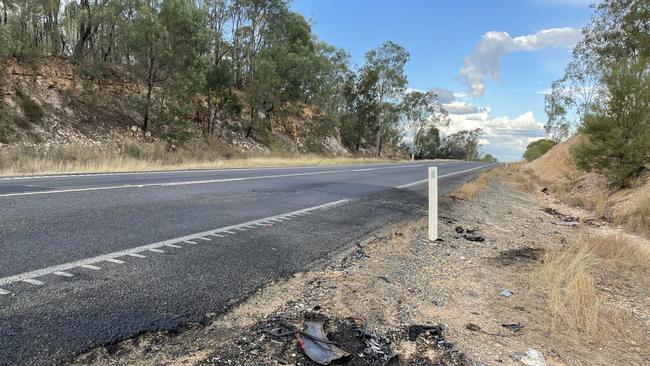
570,278
131,156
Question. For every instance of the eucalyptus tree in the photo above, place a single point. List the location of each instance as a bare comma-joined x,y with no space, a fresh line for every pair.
388,63
421,111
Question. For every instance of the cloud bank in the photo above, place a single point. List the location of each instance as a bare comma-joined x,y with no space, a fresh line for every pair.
485,59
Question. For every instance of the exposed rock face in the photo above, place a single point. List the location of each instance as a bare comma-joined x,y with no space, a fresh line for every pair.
83,110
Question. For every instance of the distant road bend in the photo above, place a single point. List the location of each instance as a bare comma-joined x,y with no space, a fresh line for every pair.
93,259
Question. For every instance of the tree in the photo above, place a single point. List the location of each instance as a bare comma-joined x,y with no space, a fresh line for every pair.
617,134
165,43
538,148
462,145
421,110
615,54
387,63
571,98
488,158
427,144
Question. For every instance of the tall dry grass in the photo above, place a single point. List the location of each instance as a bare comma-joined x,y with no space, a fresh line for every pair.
638,219
135,156
569,278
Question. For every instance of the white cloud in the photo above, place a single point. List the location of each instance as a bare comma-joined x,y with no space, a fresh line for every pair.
485,59
503,136
460,108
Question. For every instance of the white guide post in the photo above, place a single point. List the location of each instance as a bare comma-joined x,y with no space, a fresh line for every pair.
433,203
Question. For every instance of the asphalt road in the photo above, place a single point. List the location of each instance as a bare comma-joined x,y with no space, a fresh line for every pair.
93,259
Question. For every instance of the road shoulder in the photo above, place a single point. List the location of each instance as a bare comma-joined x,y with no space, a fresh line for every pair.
482,293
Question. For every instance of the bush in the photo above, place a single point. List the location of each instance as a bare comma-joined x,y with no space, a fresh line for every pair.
538,148
33,112
617,134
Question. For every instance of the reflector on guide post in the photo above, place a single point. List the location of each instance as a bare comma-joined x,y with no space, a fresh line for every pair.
433,203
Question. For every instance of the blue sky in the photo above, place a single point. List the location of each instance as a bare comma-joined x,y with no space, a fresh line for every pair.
441,35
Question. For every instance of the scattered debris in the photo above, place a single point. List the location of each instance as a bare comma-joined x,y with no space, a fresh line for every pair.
317,347
534,358
545,190
473,237
506,293
459,230
473,327
515,327
564,218
416,330
376,349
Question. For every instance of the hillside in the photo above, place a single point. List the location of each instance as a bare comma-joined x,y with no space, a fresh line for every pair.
590,190
51,102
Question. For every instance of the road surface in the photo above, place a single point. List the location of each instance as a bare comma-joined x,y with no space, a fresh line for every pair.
93,259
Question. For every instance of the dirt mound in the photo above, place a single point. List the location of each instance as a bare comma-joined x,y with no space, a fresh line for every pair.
556,163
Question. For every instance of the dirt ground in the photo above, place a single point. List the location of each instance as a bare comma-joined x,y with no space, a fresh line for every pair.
478,292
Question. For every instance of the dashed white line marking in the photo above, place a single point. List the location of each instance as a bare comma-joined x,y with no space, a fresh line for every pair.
240,229
4,292
111,257
190,242
174,246
218,235
113,260
63,274
441,176
206,239
136,255
90,266
33,281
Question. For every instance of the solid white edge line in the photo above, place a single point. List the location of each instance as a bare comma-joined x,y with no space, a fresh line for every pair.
213,170
27,276
441,176
209,181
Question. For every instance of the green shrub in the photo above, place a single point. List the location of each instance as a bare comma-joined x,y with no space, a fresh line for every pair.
538,148
617,134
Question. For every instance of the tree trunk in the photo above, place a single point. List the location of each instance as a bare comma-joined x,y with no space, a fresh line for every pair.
250,125
85,31
380,140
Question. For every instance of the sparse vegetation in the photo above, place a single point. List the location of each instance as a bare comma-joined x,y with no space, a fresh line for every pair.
469,189
569,278
638,218
133,156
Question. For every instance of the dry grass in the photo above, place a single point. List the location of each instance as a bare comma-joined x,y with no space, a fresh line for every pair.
132,156
638,219
570,278
469,189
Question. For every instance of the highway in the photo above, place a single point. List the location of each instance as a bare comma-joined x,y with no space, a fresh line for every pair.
92,259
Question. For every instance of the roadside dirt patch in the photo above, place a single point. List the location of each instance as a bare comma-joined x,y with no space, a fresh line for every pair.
476,302
519,256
